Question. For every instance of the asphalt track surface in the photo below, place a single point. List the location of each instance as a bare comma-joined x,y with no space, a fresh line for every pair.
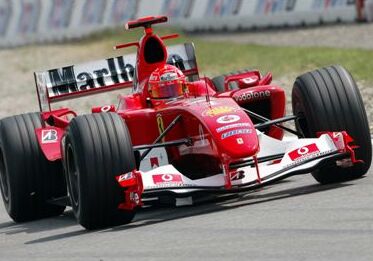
296,219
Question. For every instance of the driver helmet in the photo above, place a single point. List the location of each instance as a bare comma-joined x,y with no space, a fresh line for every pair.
167,82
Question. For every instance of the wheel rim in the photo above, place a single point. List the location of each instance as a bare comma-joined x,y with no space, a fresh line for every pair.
73,175
3,178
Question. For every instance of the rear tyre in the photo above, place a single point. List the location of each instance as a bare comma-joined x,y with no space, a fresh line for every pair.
329,100
97,148
27,178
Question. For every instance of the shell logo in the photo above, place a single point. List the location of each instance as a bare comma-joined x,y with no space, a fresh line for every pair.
218,111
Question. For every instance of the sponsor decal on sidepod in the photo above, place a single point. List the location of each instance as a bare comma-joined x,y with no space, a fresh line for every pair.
253,95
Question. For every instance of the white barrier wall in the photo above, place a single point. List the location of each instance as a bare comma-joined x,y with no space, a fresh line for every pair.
30,21
239,14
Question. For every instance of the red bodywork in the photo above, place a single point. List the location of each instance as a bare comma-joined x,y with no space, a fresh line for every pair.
220,131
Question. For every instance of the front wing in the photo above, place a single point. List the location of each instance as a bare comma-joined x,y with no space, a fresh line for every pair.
288,158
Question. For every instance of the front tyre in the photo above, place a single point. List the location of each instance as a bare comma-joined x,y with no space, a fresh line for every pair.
27,179
97,148
329,100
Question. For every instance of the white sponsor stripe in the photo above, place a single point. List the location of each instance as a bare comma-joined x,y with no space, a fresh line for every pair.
290,138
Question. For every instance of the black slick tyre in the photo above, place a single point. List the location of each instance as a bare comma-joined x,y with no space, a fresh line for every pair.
27,179
97,148
329,100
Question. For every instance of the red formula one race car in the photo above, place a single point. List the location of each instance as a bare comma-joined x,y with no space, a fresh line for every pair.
176,135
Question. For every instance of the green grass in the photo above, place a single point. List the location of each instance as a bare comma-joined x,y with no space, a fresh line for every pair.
283,60
219,57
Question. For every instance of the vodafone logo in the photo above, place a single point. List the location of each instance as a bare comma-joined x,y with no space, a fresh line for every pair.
251,95
250,80
167,178
106,108
228,119
304,152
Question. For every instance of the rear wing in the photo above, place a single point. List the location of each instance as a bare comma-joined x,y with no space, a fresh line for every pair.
103,75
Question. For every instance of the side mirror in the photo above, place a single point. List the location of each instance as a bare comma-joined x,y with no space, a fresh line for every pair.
248,82
243,80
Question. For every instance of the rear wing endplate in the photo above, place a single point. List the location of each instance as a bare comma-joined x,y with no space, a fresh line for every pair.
103,75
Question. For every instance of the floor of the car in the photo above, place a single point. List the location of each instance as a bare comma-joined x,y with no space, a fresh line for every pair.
197,166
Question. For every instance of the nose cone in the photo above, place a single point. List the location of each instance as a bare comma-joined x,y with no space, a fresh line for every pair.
232,130
235,135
